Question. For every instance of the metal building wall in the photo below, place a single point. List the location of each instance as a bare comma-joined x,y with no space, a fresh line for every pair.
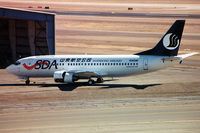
5,50
25,33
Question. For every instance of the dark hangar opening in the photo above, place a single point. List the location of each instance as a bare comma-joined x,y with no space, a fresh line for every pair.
25,33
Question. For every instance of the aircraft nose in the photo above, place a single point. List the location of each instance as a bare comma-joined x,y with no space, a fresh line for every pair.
10,69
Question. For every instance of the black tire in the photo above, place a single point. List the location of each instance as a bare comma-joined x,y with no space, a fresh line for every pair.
27,82
90,82
100,80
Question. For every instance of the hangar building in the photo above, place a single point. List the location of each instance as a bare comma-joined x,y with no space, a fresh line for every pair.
25,33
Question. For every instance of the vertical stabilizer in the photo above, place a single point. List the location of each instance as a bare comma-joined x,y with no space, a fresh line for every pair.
169,43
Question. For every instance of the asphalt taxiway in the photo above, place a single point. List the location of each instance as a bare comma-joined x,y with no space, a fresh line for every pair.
124,14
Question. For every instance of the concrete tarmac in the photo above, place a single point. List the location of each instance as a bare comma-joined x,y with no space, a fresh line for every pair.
174,115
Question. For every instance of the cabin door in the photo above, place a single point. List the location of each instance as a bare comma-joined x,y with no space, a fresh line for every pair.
145,64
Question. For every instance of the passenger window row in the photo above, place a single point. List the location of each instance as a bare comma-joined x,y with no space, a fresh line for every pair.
100,64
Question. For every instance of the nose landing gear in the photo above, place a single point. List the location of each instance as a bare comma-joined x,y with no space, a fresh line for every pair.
27,82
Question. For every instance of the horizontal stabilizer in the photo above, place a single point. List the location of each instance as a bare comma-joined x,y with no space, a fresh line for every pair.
179,57
187,55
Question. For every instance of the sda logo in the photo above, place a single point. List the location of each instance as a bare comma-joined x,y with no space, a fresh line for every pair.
42,64
171,41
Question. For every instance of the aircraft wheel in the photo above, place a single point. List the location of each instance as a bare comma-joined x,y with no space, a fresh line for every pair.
100,80
90,81
27,82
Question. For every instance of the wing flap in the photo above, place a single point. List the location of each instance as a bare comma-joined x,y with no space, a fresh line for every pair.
85,74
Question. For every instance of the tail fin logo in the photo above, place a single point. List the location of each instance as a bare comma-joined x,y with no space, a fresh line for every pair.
171,41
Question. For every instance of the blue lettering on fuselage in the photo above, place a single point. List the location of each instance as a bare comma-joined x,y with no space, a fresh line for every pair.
45,64
76,60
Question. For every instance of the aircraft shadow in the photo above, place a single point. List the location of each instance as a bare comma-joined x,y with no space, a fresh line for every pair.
71,87
62,87
138,87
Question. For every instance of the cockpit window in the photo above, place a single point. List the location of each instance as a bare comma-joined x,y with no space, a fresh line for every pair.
17,63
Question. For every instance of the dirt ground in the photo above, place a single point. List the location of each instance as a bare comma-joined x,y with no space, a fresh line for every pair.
84,34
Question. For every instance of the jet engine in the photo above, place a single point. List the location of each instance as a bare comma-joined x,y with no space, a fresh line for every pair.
62,76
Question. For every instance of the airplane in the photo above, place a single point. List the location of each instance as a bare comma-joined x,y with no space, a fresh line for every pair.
71,68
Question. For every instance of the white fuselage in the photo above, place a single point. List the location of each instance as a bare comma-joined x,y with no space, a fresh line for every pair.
104,65
71,68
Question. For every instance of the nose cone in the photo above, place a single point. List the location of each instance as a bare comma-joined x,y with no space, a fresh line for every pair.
11,69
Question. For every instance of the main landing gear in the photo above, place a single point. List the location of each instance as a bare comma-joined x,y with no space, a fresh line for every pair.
91,81
100,80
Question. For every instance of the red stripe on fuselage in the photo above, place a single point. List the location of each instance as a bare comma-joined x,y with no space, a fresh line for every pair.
33,66
29,67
